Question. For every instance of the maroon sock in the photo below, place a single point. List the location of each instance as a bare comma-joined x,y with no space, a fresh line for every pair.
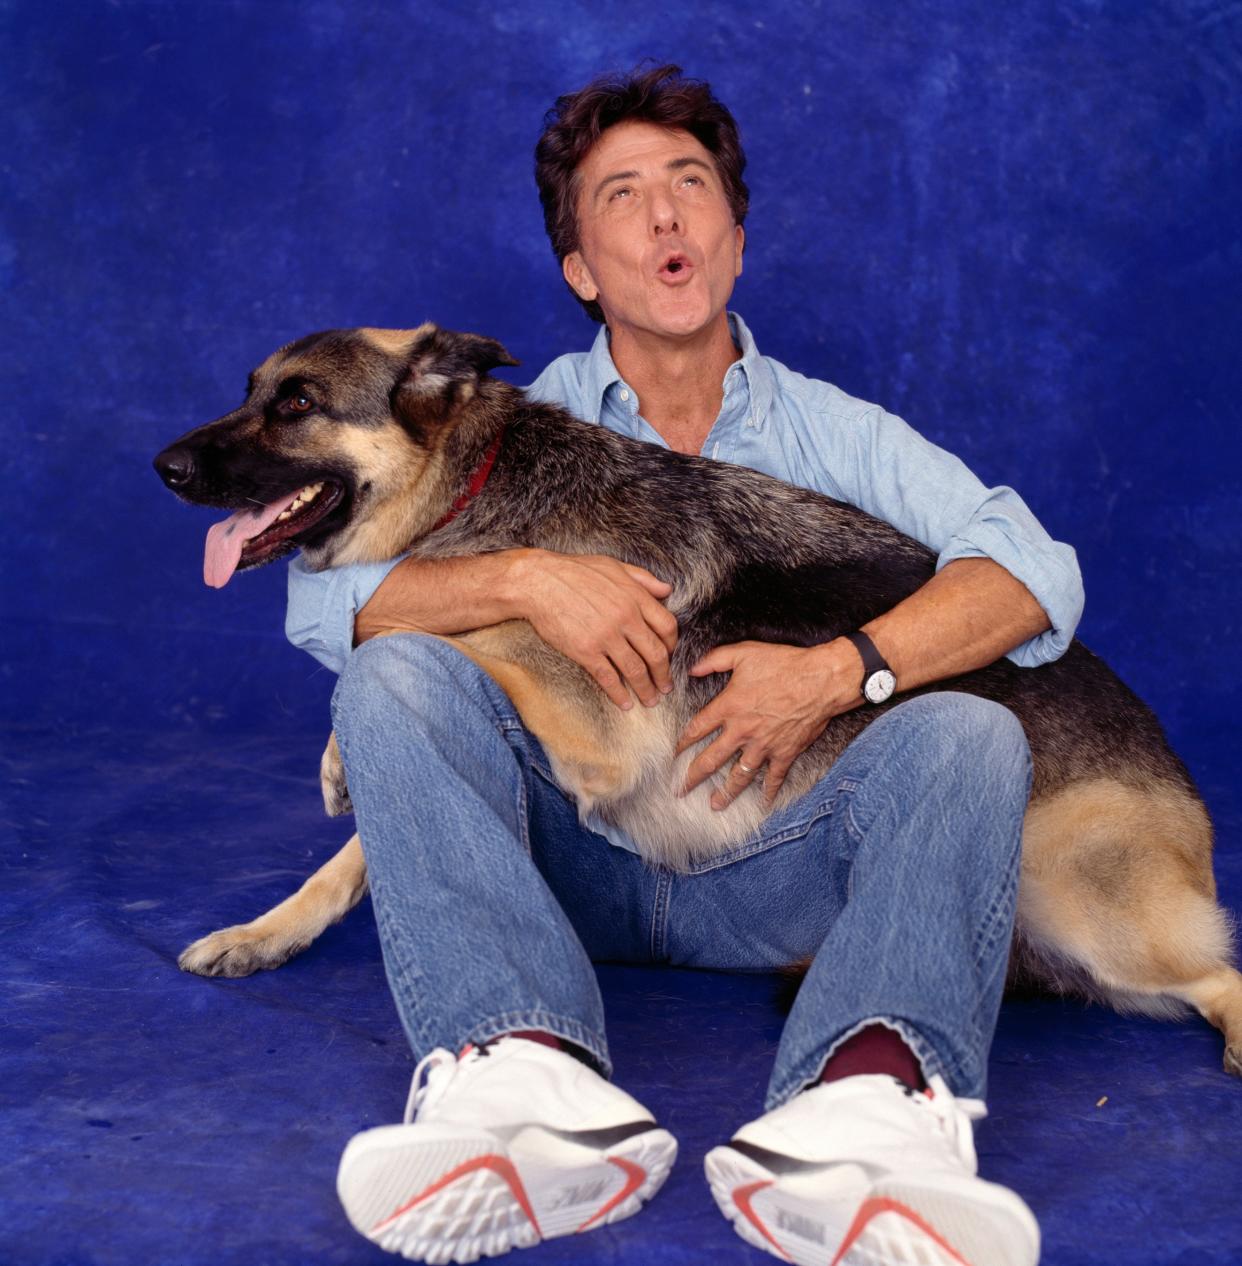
875,1049
534,1035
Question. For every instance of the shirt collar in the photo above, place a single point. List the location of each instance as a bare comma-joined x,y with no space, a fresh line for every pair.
601,373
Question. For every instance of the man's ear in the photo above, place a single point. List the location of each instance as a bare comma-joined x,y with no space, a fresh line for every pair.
739,246
578,275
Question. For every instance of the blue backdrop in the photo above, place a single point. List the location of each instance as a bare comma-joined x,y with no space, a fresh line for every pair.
1016,225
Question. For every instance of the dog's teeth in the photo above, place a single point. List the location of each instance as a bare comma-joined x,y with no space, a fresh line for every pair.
305,497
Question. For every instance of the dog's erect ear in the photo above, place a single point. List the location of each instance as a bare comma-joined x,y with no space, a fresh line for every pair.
443,372
483,354
456,355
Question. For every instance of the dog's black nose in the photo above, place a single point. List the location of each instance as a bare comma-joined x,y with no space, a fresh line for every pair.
175,466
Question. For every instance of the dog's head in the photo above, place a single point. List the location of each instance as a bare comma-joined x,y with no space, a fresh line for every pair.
342,447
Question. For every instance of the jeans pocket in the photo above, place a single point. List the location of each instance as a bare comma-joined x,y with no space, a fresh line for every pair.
792,823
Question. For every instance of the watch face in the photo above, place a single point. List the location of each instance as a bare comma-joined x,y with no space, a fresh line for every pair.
880,686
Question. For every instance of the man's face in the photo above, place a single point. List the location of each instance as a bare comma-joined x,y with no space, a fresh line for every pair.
659,249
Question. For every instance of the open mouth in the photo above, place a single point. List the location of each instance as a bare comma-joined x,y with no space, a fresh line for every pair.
258,534
308,507
676,268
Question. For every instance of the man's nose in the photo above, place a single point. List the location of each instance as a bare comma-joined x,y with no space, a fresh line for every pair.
664,215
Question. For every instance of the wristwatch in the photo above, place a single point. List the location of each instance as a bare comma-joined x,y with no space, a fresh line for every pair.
879,680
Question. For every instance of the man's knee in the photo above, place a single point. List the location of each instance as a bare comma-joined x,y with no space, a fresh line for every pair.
971,734
419,675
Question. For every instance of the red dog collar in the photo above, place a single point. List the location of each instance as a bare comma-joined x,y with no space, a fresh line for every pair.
477,480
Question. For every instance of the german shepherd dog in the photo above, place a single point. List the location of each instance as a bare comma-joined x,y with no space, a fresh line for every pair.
360,445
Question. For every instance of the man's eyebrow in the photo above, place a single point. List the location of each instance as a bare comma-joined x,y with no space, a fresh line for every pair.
677,164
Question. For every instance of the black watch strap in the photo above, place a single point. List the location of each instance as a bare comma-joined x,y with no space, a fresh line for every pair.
872,660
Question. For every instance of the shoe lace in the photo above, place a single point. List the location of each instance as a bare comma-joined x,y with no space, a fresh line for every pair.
432,1077
955,1117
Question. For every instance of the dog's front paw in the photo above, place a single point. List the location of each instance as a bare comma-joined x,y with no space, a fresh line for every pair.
236,951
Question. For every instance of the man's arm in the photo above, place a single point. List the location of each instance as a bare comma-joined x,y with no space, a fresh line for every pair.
779,699
603,614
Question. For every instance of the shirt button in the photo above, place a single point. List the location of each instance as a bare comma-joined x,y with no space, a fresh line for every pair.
625,395
750,422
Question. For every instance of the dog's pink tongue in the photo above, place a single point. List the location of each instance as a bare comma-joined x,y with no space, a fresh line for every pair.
225,539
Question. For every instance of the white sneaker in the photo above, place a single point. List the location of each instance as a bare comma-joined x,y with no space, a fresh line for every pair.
865,1172
510,1144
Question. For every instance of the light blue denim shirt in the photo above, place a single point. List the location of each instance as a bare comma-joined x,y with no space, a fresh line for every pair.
805,432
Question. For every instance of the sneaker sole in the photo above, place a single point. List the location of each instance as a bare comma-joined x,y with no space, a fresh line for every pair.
901,1220
448,1195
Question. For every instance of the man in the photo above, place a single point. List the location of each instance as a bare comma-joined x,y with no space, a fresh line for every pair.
897,873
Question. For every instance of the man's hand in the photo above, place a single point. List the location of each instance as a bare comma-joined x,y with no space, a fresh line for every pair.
604,615
778,701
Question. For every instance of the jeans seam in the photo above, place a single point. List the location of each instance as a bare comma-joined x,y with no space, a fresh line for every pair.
999,916
403,986
546,774
659,916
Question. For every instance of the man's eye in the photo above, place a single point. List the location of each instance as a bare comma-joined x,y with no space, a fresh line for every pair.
623,192
693,180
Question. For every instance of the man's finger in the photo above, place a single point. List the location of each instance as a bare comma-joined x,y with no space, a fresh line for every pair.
610,683
633,669
662,622
774,776
653,584
709,760
745,770
720,660
655,654
699,727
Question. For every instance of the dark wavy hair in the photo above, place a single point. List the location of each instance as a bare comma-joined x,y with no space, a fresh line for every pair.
657,95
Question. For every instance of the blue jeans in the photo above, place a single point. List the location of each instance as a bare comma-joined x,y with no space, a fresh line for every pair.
897,873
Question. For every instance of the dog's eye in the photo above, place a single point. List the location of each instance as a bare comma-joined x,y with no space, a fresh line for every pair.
299,402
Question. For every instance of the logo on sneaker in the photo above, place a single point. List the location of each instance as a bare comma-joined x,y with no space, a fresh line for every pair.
800,1225
580,1193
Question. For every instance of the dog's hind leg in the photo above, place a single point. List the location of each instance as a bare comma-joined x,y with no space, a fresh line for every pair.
287,929
1117,896
336,801
1218,999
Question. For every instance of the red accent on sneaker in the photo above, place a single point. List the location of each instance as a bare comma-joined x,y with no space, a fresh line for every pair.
500,1165
875,1049
637,1175
882,1204
741,1198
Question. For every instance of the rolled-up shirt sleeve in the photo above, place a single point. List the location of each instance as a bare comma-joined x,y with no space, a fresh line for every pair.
929,494
320,614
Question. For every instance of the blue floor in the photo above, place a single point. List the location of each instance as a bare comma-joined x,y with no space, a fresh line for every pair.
153,1117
